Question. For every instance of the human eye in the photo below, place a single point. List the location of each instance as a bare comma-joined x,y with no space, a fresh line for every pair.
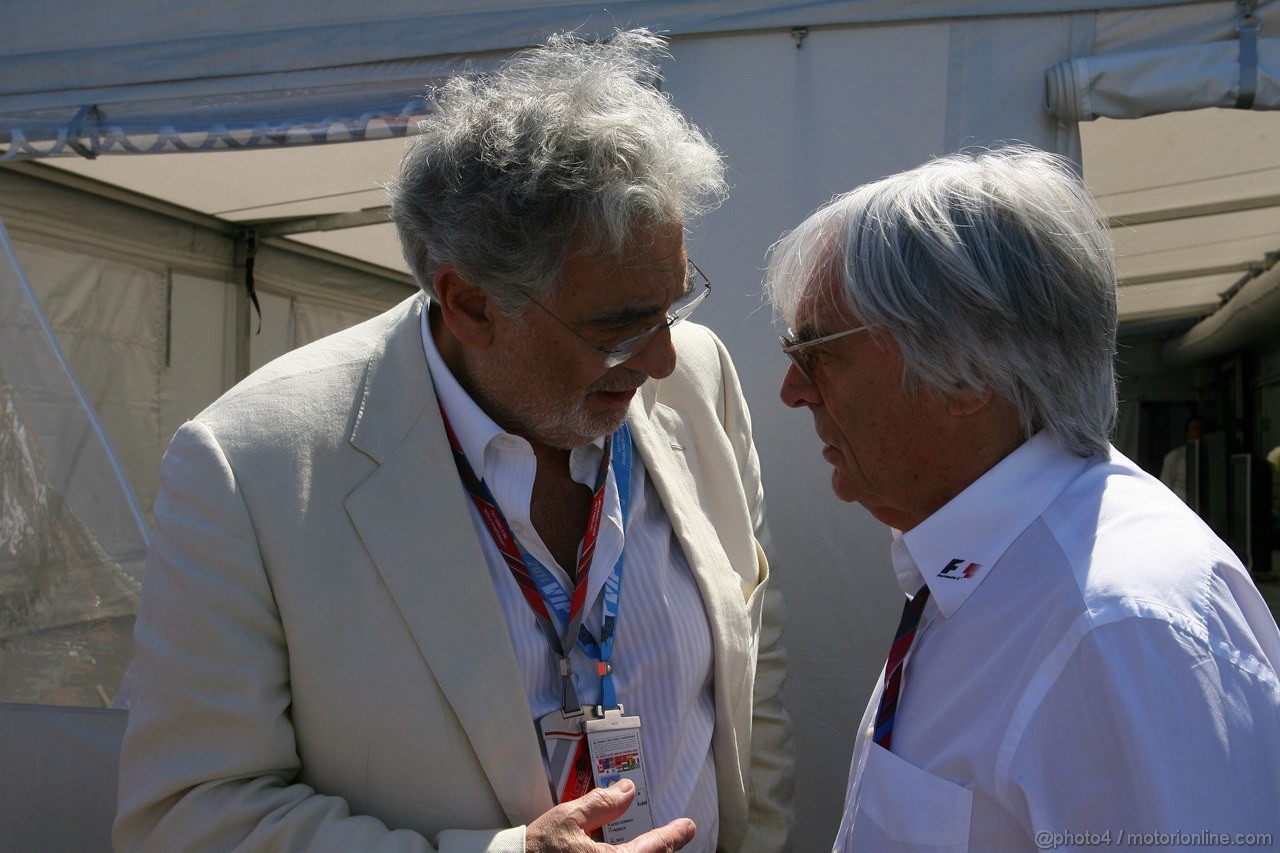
615,328
806,359
817,354
812,350
621,335
618,324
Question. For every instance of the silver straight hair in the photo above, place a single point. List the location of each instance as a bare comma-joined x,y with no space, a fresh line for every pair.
992,270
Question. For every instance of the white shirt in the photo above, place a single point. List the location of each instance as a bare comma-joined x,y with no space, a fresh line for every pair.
1092,659
662,650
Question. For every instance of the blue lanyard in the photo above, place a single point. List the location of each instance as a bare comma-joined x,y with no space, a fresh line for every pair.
554,595
539,587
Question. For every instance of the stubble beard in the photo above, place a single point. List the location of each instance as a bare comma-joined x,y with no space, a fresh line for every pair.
549,415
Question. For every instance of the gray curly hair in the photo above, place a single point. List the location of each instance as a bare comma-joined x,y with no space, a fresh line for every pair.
567,146
992,271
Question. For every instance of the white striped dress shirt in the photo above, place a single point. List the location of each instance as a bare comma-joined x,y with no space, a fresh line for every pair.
662,651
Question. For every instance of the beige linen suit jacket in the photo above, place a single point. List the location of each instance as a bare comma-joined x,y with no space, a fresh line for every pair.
322,662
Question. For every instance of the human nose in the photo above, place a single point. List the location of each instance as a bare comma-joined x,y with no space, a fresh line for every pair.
656,358
797,389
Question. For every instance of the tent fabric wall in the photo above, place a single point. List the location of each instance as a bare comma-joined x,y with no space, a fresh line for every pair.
212,39
255,76
72,540
292,321
110,320
313,321
148,352
44,205
198,365
1118,30
143,304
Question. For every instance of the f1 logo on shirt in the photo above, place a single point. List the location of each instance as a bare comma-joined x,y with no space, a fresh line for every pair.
958,570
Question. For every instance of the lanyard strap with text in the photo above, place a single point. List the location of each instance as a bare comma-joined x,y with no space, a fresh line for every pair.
602,651
539,587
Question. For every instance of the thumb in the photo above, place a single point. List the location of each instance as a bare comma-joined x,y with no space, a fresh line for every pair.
604,805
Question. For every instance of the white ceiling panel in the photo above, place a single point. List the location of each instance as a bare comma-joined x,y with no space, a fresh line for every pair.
376,244
1189,297
1180,160
259,184
1190,244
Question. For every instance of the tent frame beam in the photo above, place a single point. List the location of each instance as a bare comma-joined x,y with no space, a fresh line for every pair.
1179,275
1192,211
269,228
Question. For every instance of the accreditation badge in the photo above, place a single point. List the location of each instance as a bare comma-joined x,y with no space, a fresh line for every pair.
614,743
564,743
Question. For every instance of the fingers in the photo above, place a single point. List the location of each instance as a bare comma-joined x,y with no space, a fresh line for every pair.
664,839
567,827
602,805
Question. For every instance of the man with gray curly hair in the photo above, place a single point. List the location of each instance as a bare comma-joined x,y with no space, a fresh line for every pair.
385,609
1081,660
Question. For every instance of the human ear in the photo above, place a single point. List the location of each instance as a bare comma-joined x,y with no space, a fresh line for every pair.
963,402
467,310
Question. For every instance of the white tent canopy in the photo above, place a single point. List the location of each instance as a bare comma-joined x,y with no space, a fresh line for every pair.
218,75
806,99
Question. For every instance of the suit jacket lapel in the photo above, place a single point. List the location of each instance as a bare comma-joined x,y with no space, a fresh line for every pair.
665,444
414,522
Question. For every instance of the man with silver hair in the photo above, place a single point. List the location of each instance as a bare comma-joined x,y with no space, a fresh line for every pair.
1081,660
385,607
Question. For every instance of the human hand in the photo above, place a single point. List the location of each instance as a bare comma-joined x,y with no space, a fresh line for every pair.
567,828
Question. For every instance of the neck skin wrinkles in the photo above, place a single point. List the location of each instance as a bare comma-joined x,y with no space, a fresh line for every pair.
970,445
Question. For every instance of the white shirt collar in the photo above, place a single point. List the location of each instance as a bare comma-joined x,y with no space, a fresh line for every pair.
473,427
955,549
